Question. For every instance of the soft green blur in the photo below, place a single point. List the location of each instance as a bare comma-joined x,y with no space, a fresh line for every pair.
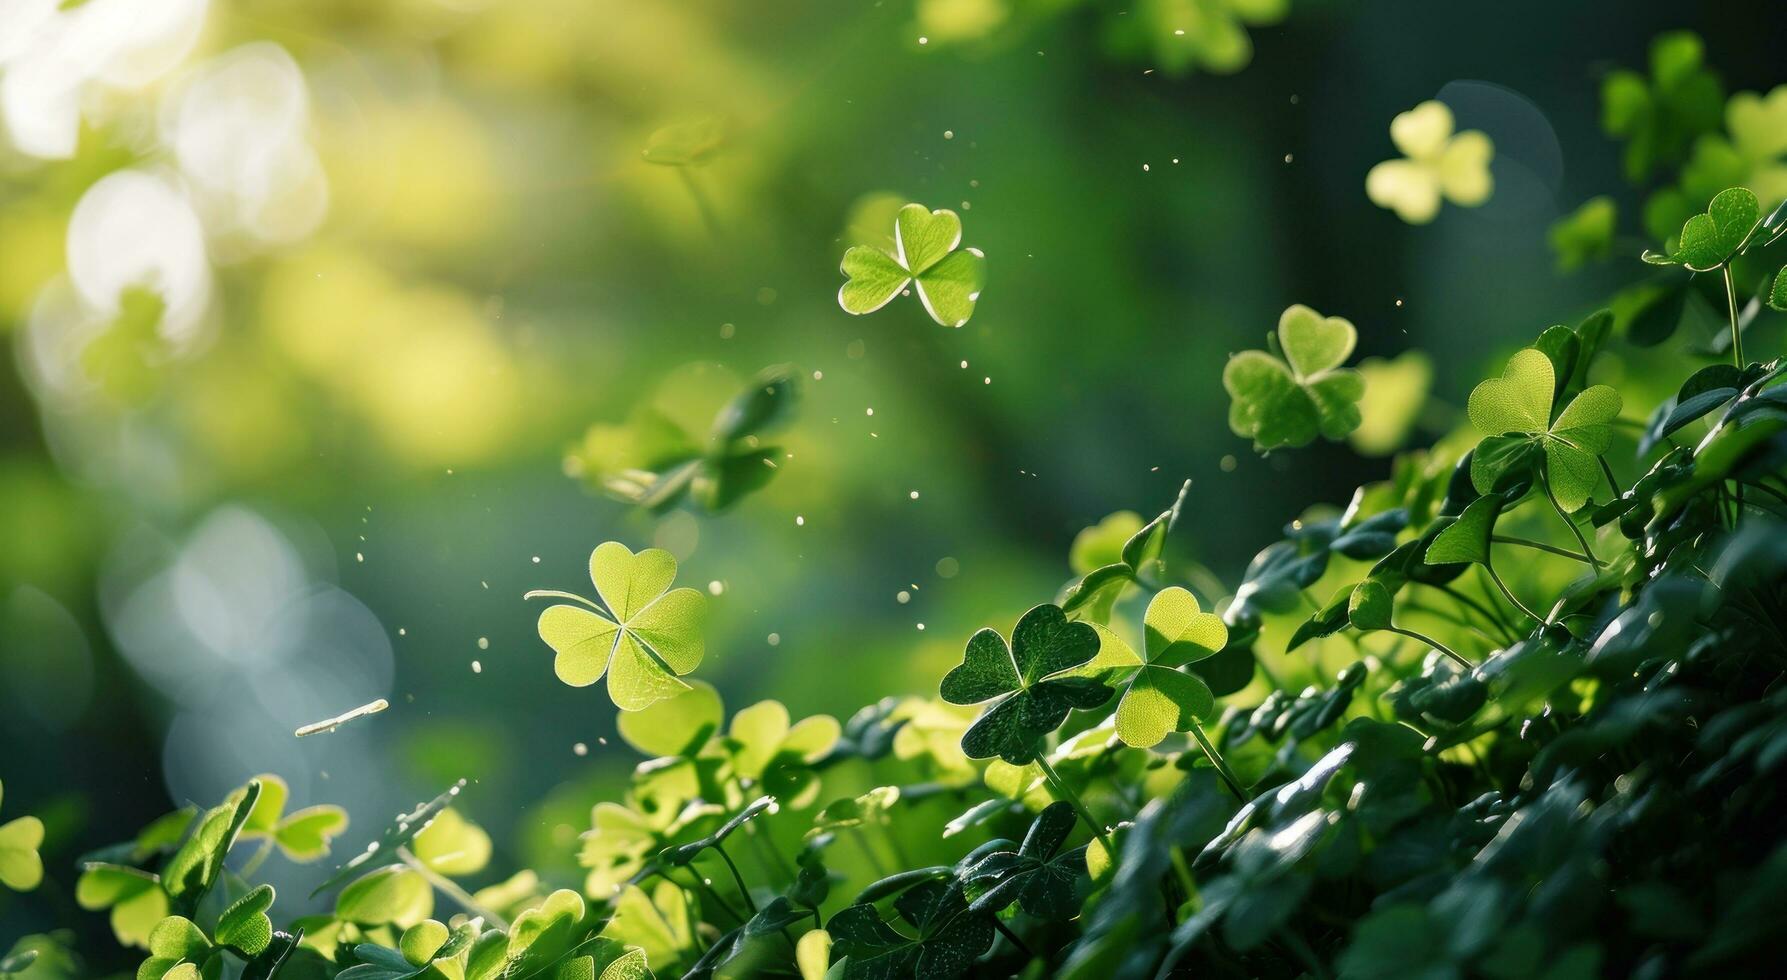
494,225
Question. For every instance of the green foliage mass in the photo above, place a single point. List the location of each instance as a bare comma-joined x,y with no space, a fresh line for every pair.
1552,746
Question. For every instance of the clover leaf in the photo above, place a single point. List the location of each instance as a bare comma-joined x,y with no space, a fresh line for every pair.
1437,164
677,726
646,635
1708,241
1288,402
949,937
302,835
197,865
1584,234
1661,116
1467,537
871,807
1029,700
1517,406
21,869
1038,876
135,897
452,845
244,926
926,257
1159,697
766,749
1179,36
1120,561
656,922
178,950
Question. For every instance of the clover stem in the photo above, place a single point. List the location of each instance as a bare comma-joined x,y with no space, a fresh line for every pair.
1061,790
1489,613
701,202
1737,337
764,846
1503,586
451,889
1607,471
1012,937
556,594
743,890
1435,644
704,888
260,855
1590,552
1221,764
1540,545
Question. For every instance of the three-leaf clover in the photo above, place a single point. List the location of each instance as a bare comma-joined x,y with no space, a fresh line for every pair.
950,938
178,950
1159,697
1031,700
21,869
647,635
768,750
1659,118
302,835
134,896
926,257
1516,407
1038,876
1288,402
1438,164
1708,241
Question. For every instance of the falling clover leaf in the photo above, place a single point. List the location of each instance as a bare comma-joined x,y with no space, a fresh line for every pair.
1031,701
925,255
647,635
1439,164
1287,402
21,869
1161,698
1515,411
1709,240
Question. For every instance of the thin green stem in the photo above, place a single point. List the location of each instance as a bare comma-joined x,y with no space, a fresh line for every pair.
1612,483
1541,546
1511,597
743,889
260,855
1012,937
1221,764
1489,613
1062,791
706,889
702,204
451,889
1737,336
1590,552
556,594
1430,641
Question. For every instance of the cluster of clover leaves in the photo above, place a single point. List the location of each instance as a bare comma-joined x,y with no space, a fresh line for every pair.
1536,728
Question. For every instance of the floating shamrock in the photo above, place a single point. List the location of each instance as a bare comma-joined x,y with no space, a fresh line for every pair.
925,256
1584,234
1159,697
1178,36
21,869
1709,241
1439,164
1659,118
647,634
950,937
1514,410
1031,701
654,461
1287,402
1037,876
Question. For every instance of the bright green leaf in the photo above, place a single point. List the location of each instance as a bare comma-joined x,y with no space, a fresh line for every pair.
926,257
1287,403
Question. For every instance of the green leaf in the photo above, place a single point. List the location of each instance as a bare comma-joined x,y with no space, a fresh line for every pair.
1102,543
1287,403
949,938
196,866
21,869
245,925
1030,700
452,845
766,402
1585,234
657,923
1519,404
677,726
655,632
1466,539
1777,295
390,894
175,942
134,896
1038,876
685,143
812,954
1370,606
1710,240
1395,394
926,256
304,835
396,835
1160,699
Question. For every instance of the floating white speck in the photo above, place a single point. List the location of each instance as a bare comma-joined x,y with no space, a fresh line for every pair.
716,587
921,627
483,642
775,639
536,559
580,748
330,724
913,495
902,597
800,520
477,668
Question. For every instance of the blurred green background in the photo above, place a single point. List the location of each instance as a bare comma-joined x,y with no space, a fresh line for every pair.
306,302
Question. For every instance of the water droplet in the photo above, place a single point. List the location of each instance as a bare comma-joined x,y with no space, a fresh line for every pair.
536,559
1144,168
800,521
964,365
871,411
716,587
924,40
818,375
949,134
483,642
727,330
1228,464
401,631
921,627
914,495
1287,158
477,668
775,639
359,556
580,749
